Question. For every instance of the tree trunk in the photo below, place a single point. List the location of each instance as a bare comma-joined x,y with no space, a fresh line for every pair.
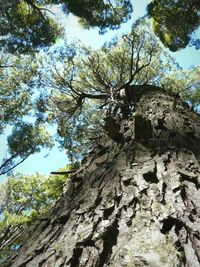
135,201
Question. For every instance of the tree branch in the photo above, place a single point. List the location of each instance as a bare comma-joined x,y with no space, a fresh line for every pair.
15,165
7,66
137,68
91,96
7,161
36,8
63,173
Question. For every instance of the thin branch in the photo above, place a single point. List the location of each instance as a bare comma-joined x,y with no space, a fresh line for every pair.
15,165
63,173
96,72
45,9
86,83
63,82
36,8
122,68
91,96
137,68
105,104
7,66
8,160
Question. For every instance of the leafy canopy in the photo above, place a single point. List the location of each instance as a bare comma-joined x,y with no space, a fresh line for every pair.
28,25
73,87
83,84
23,200
17,87
175,21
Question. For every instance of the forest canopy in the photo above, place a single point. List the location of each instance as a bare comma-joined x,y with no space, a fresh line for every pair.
23,200
74,88
64,86
29,25
175,22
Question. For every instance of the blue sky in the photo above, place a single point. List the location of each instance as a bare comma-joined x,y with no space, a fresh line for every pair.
48,161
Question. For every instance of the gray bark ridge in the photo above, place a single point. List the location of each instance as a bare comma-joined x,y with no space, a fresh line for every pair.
131,203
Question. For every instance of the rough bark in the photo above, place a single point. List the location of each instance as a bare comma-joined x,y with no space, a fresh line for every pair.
135,201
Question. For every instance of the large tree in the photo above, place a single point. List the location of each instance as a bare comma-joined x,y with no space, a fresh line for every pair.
135,199
65,87
81,81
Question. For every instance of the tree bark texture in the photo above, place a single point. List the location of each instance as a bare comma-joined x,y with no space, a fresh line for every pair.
135,201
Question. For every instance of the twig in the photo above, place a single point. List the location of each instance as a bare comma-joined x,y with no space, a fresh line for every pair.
63,173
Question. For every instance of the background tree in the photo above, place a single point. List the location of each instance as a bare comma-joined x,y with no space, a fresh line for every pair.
175,22
29,25
25,140
187,79
17,102
24,200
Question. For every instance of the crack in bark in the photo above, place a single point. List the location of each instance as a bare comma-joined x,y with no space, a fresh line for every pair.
164,187
151,176
109,240
169,222
108,212
192,179
75,259
167,161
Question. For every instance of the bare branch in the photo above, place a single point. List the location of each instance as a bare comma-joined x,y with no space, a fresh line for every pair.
91,96
7,66
36,8
63,173
96,71
11,236
7,161
63,82
15,165
137,67
45,9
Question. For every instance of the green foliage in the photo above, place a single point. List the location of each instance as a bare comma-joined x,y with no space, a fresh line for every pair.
175,21
104,14
17,81
28,139
75,86
25,26
29,25
77,133
80,82
24,200
16,88
186,84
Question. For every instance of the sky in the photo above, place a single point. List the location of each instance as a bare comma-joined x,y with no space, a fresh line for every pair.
51,160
